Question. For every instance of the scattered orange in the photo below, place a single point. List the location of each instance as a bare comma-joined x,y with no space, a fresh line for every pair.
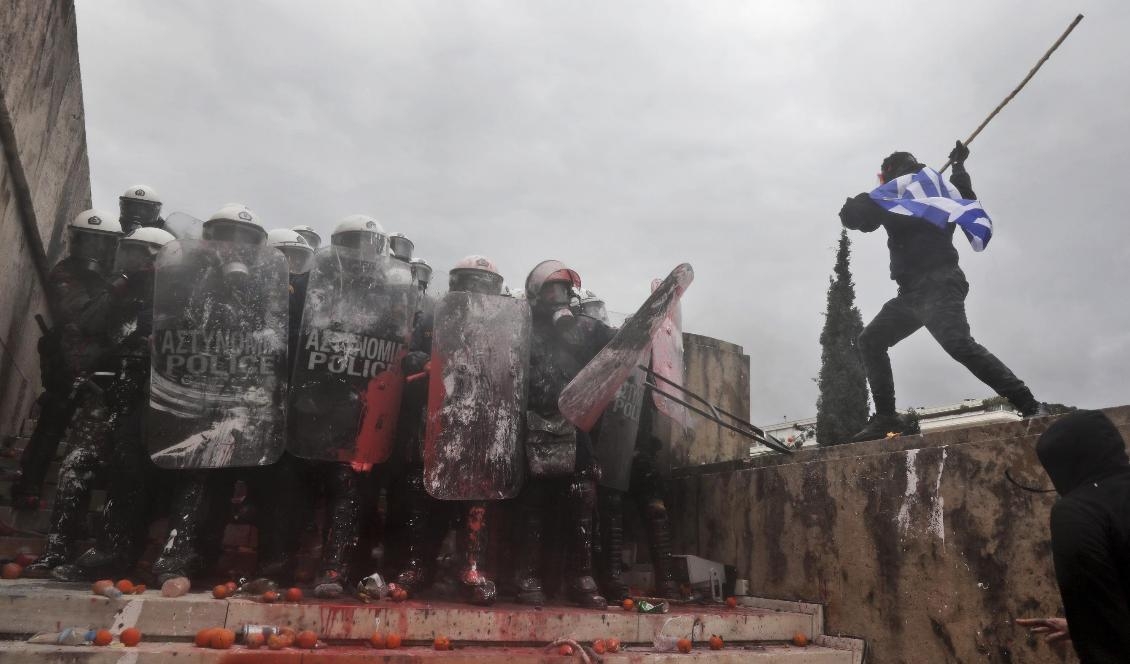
254,640
399,594
628,604
220,592
130,637
100,586
221,639
731,602
393,641
716,642
442,643
204,637
598,647
276,642
684,645
231,586
103,637
306,639
287,634
11,571
565,650
293,594
378,641
799,639
126,586
270,597
613,645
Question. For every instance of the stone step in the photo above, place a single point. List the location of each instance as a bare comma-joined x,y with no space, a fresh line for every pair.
151,653
30,606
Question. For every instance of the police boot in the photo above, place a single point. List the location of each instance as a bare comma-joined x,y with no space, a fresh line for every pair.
72,502
339,542
658,528
418,569
92,564
54,556
530,521
471,542
580,586
611,557
279,495
180,556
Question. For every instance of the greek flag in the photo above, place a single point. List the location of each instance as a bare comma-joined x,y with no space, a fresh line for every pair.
927,196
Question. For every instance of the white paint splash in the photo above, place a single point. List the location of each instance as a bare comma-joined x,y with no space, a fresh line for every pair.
903,518
935,519
126,616
937,524
171,541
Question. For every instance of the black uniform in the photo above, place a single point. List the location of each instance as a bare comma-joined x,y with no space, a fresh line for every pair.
1085,456
931,294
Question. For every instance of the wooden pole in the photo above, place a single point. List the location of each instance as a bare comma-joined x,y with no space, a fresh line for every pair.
1018,88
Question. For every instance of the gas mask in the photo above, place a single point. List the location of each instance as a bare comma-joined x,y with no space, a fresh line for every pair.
94,250
136,213
554,299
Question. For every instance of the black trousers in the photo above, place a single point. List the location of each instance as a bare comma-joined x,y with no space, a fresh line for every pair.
936,301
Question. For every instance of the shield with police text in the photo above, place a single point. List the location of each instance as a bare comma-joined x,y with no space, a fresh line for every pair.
219,356
347,382
477,397
615,435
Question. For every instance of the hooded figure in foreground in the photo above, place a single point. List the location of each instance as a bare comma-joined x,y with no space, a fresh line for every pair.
1085,457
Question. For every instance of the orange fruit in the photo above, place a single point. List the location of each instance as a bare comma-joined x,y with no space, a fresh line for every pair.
442,643
731,602
204,637
288,635
254,640
628,604
103,637
306,639
276,642
799,639
684,645
598,647
11,571
270,597
231,586
130,637
378,641
613,645
220,592
293,594
222,639
100,586
565,650
126,586
392,641
716,642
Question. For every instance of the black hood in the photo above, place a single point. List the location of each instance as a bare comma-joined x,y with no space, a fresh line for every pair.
1081,447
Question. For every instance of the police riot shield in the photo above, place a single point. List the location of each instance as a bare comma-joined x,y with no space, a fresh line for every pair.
615,437
477,397
347,382
184,226
589,393
667,360
219,356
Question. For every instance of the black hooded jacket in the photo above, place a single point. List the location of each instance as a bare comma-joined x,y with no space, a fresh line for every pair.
1085,457
916,247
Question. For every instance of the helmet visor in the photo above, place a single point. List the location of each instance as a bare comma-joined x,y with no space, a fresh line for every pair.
475,281
230,231
366,241
94,246
135,257
555,293
311,238
298,259
137,212
401,247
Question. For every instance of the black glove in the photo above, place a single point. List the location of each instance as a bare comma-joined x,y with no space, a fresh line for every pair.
959,154
413,362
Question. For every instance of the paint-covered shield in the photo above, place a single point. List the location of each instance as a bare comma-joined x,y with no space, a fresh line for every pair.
615,436
592,389
219,356
347,382
477,397
667,359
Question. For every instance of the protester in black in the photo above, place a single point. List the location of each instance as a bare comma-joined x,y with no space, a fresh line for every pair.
931,294
1085,457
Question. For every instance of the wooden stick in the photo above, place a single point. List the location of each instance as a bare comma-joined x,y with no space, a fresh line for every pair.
1012,94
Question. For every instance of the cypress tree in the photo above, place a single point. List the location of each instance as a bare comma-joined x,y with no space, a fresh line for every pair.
841,409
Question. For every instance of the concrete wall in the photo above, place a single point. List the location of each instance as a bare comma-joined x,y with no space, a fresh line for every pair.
44,178
718,371
918,544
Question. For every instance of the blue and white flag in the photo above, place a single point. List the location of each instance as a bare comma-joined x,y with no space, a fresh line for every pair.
929,197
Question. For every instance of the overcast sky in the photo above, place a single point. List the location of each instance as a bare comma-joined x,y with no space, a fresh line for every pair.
626,137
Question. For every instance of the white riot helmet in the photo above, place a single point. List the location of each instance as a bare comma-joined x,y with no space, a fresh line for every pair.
235,223
360,231
310,235
421,272
94,236
137,250
475,274
140,205
291,243
588,303
401,247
